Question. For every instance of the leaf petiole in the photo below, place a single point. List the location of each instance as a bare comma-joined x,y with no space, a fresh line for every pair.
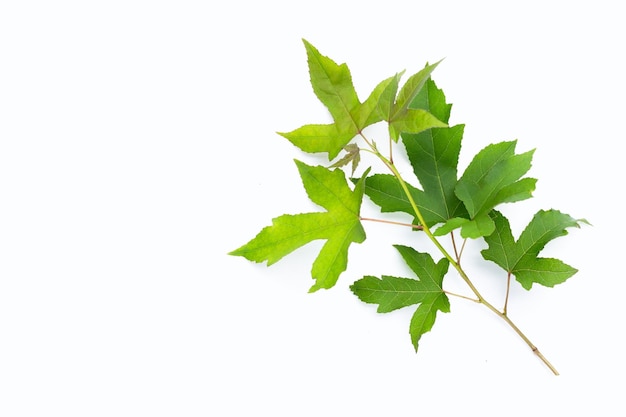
457,253
462,296
506,297
414,226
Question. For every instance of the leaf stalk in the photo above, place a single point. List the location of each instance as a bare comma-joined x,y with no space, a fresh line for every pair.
414,226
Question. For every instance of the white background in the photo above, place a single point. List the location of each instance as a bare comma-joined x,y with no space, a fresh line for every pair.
138,147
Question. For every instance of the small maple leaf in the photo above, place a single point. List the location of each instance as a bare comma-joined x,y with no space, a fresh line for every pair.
352,155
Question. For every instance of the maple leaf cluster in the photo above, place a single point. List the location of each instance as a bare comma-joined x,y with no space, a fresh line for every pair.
440,200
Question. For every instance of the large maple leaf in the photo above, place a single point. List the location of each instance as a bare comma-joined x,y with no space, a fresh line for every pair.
520,258
392,293
339,226
332,84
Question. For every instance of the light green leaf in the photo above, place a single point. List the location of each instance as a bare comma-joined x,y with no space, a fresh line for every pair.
319,138
332,84
410,89
403,119
378,105
339,226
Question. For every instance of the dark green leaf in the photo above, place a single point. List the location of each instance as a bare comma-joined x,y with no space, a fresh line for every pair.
391,293
521,258
434,155
492,178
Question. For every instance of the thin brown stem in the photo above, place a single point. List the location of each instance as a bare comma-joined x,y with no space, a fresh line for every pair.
414,226
462,296
462,248
456,252
370,144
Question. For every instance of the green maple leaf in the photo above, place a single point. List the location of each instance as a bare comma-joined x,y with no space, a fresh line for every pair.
492,178
332,84
521,258
339,226
392,293
434,155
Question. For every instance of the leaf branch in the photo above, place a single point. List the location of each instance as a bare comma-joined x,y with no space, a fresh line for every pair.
456,262
419,113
